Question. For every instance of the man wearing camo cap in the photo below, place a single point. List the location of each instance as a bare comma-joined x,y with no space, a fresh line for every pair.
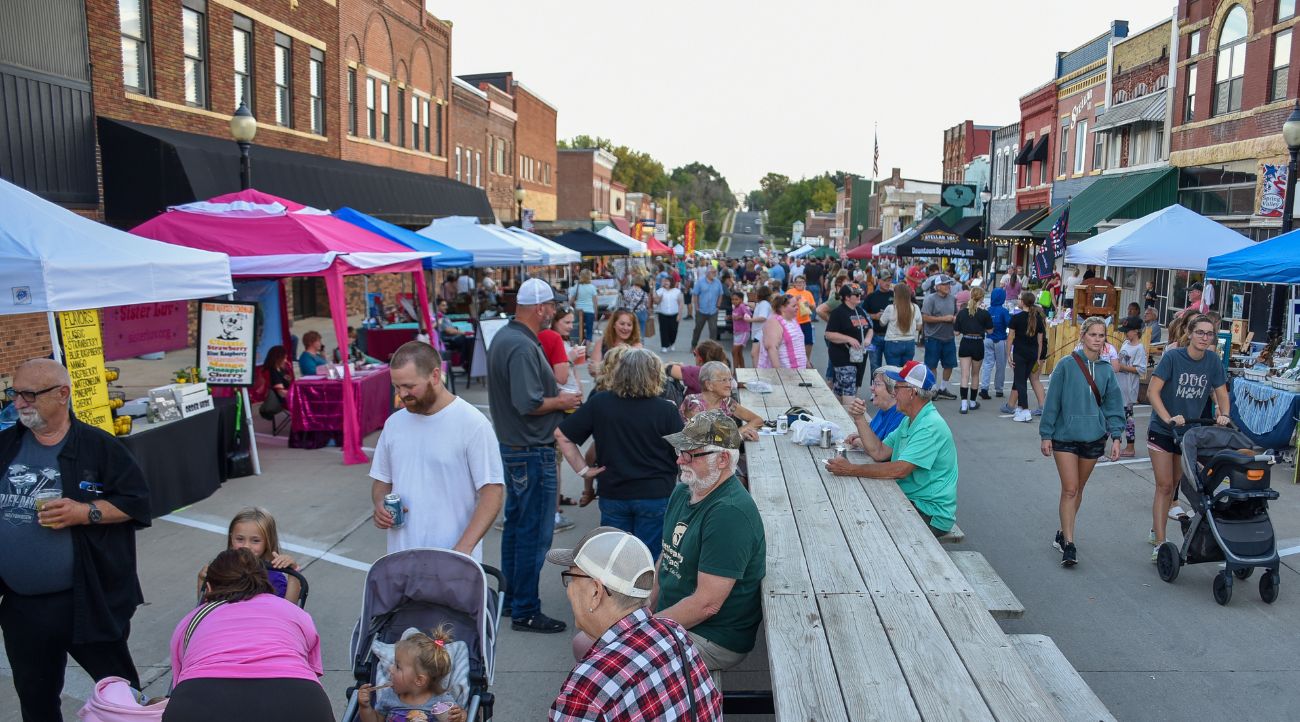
714,551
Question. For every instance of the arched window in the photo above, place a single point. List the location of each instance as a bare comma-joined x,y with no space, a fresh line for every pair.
1231,62
1141,90
1162,82
1121,96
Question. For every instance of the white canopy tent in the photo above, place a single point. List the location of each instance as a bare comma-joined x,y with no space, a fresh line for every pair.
488,247
1173,237
54,260
553,253
801,251
886,247
622,239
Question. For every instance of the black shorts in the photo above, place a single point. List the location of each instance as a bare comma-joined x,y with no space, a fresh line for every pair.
1083,449
1162,442
972,348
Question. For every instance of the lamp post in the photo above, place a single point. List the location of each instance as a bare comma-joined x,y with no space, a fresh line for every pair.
985,196
595,215
519,204
243,128
1277,299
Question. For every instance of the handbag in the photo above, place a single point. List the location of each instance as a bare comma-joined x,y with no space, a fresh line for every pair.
650,325
1088,376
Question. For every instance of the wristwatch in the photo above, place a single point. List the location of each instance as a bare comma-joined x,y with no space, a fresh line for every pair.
95,515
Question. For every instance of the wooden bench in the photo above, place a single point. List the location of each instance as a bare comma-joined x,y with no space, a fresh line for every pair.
1058,677
954,536
989,587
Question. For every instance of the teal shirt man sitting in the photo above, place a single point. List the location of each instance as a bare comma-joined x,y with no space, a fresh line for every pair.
920,454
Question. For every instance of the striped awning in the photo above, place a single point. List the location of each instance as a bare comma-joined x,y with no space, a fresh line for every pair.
1147,109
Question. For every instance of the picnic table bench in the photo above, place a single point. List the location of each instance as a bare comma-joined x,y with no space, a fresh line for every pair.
867,616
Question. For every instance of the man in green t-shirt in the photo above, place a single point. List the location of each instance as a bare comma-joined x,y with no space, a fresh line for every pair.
920,454
714,551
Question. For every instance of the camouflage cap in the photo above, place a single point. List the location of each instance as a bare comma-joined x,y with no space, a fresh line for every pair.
710,428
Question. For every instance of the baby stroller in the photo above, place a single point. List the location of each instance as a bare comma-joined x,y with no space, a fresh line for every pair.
427,588
1231,524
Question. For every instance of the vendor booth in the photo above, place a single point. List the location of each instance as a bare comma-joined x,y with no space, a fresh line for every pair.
55,261
591,244
1173,237
633,245
486,247
940,242
270,237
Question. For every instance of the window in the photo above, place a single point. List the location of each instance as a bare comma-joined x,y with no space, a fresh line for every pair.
1011,170
1064,163
1098,150
1162,82
478,169
243,50
1189,107
424,121
1121,96
1139,148
415,122
133,23
437,146
1194,45
283,80
194,44
401,117
383,111
1158,142
1281,64
1080,146
457,162
1141,90
1042,168
1285,9
1116,147
1231,63
316,88
352,101
371,122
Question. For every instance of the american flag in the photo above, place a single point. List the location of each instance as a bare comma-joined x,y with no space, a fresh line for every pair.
1056,238
875,156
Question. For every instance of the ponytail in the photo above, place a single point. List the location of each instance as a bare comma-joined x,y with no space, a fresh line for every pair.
1036,319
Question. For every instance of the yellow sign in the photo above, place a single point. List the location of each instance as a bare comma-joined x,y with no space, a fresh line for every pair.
83,352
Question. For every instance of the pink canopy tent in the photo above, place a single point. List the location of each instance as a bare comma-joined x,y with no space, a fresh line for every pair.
656,248
270,237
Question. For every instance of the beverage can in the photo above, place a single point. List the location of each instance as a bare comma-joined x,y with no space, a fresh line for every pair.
782,425
393,503
842,451
826,439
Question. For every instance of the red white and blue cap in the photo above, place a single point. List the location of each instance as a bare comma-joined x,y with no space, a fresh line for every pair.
913,373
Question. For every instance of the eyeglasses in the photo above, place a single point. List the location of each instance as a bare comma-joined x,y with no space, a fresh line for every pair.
566,577
694,454
1203,334
28,396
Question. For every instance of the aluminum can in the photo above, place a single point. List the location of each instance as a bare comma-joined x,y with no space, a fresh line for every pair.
842,452
826,439
393,503
782,424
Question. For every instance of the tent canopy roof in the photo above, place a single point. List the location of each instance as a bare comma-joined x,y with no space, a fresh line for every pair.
1272,261
590,244
489,249
446,256
1172,237
622,239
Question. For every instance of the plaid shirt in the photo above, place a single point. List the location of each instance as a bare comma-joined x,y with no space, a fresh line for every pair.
634,672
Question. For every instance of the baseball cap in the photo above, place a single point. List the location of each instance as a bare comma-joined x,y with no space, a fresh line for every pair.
711,428
535,291
915,374
847,290
610,556
943,280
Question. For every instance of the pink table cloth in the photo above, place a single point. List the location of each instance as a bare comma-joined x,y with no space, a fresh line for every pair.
316,407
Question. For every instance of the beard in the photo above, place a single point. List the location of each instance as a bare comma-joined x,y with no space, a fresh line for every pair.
702,483
31,418
424,402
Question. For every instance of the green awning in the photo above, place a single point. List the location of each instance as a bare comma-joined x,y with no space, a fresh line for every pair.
1126,195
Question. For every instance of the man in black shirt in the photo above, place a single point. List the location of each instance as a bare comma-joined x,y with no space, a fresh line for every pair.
813,273
875,303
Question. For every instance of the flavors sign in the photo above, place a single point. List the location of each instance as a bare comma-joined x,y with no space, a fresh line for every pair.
83,352
226,348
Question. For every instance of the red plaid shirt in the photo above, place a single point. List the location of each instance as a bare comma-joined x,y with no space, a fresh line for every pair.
634,672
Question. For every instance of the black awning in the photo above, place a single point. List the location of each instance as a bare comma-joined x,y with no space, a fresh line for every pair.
968,227
589,244
1018,225
147,169
1040,151
1022,158
941,242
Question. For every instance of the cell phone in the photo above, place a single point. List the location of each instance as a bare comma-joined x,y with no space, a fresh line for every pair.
805,384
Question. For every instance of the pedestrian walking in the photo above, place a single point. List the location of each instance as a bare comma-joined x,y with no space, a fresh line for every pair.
1129,367
68,583
781,338
972,323
1084,408
669,306
583,297
1028,334
939,312
636,298
527,406
804,303
705,296
758,319
741,317
848,333
902,321
993,372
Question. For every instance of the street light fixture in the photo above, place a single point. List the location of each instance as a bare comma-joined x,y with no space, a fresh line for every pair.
985,197
1278,300
595,215
243,128
519,203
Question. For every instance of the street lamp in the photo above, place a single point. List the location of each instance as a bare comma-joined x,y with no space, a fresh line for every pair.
519,203
243,127
985,196
1278,300
595,215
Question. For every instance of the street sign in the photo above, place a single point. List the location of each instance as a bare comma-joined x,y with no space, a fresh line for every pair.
661,232
796,231
837,233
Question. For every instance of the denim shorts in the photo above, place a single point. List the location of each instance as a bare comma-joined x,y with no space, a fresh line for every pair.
1083,449
807,333
940,352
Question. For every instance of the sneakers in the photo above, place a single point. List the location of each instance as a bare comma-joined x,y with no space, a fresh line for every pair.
1176,511
1151,538
1059,543
984,394
1023,416
1037,412
663,349
974,405
1006,409
1069,557
1127,452
563,523
539,623
945,394
1155,553
965,406
998,393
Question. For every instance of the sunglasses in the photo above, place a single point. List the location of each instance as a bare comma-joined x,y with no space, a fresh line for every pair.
28,396
566,577
694,454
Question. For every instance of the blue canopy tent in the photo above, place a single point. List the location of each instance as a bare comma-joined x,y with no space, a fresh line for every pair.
488,248
1271,261
447,257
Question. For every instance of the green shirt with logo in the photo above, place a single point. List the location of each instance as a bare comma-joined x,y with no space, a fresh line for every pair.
926,443
722,535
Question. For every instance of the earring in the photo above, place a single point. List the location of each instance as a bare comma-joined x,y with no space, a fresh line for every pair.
591,610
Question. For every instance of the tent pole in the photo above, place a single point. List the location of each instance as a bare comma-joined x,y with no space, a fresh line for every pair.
54,337
248,417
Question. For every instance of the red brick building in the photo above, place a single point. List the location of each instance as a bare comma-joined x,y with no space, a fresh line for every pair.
961,144
469,110
1038,119
501,182
534,145
583,182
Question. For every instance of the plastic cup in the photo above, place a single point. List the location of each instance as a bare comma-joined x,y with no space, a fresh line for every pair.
581,357
45,496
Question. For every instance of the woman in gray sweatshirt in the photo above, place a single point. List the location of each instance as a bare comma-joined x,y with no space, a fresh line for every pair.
1076,423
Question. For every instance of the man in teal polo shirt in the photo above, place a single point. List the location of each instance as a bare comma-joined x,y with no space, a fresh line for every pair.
920,454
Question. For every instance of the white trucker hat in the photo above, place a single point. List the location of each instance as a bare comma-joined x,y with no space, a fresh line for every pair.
610,556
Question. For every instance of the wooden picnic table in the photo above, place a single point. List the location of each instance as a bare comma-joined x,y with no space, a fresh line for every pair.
867,617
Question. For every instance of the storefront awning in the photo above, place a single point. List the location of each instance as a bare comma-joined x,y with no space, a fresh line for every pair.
148,169
1040,151
1147,109
1126,195
1023,157
1018,225
968,226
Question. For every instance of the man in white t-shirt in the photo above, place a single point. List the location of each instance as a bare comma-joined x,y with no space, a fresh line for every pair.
441,455
465,282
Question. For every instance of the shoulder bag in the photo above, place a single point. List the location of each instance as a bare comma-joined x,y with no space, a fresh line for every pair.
1083,367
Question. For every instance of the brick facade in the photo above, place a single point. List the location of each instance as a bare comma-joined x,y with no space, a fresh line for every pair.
1037,119
1080,97
1139,67
583,180
535,140
500,173
22,337
962,143
469,113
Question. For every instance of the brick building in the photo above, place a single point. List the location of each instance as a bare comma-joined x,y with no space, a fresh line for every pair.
617,200
500,177
1134,129
469,114
854,208
583,182
534,143
961,144
902,201
1080,96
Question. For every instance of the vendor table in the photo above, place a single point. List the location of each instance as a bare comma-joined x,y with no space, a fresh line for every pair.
316,407
184,461
1266,414
380,343
866,615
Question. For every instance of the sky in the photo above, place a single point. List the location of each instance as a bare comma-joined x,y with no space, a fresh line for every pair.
793,87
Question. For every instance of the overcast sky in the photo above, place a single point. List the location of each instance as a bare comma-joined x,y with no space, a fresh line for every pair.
790,86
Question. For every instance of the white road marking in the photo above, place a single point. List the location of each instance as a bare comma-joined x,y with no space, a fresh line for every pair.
320,554
1125,462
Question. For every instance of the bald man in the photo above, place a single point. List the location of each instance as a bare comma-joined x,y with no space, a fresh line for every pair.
68,582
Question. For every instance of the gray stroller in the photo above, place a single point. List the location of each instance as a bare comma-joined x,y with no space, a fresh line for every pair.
426,588
1230,524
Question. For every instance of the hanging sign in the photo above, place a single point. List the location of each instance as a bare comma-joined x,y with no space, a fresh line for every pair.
690,236
83,352
226,349
1272,191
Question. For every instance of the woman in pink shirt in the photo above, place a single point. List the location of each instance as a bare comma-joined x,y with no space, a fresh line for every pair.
251,656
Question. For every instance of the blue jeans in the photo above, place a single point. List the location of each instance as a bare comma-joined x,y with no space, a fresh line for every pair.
876,354
898,353
641,317
642,518
995,364
530,523
816,290
588,325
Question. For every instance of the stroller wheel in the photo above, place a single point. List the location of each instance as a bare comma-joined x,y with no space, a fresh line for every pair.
1269,584
1243,573
1222,587
1167,561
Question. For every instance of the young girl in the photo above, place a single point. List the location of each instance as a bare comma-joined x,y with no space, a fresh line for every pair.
1130,366
254,529
416,691
740,318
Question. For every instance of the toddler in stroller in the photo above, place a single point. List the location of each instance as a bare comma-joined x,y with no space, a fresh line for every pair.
1230,524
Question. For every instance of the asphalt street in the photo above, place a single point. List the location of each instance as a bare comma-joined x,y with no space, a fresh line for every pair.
745,233
1151,650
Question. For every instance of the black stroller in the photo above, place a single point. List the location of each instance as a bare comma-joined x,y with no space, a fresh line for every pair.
426,588
1230,524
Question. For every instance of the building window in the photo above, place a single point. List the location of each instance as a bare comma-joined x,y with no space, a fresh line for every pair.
415,121
1141,90
1121,96
1281,64
372,123
383,112
1285,9
437,146
1231,63
194,44
401,117
283,80
1162,82
1158,142
1194,45
316,87
133,23
1042,168
1189,107
1098,149
1116,146
1080,146
478,169
1063,164
352,101
457,162
424,122
243,50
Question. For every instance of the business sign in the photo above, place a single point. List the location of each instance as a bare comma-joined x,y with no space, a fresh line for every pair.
661,232
1272,191
796,231
226,348
837,233
145,328
1238,305
83,353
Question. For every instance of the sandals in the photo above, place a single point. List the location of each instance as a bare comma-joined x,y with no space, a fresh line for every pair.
567,501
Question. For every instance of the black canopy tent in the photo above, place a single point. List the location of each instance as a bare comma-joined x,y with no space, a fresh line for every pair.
590,244
940,241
